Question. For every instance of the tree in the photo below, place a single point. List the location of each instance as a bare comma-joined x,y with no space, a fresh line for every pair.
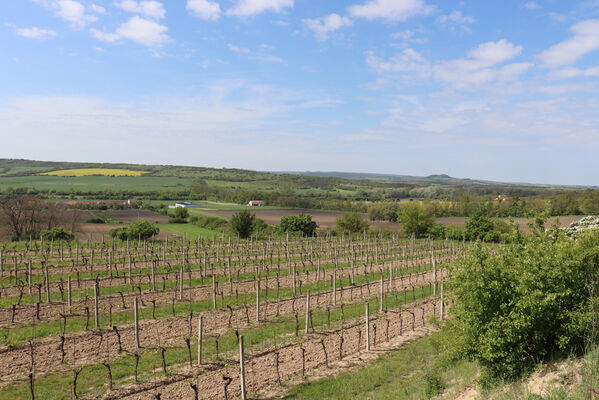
57,234
141,229
180,215
242,223
352,223
478,225
298,223
415,220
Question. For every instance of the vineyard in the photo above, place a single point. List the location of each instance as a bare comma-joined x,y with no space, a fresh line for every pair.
207,318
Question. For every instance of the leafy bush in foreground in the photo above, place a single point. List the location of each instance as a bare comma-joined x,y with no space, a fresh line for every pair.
525,303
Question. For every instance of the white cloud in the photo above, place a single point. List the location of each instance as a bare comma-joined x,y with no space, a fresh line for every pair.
204,9
531,5
393,10
246,8
139,30
71,11
481,66
408,61
491,53
259,55
35,33
97,9
456,17
584,41
571,72
404,35
237,49
149,8
325,25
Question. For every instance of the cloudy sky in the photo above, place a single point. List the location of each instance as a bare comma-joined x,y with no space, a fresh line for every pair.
504,90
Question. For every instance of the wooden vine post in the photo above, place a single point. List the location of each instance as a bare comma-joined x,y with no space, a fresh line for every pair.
307,310
96,316
367,328
442,302
242,369
200,338
136,318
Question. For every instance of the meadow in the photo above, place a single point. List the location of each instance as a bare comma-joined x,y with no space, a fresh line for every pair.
94,172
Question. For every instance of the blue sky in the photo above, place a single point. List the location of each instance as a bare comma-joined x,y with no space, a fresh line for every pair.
503,90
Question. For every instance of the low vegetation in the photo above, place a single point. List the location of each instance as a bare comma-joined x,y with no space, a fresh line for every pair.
94,172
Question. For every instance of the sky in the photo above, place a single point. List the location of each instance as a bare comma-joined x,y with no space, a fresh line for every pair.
500,90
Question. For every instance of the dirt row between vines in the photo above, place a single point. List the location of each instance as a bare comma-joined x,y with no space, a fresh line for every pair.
27,313
219,269
263,370
90,347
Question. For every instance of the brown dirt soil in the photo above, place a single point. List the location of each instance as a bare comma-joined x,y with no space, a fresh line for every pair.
26,313
324,219
321,350
522,222
327,219
131,215
90,346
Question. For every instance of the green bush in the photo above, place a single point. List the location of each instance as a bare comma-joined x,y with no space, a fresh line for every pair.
242,223
57,234
526,303
138,230
179,215
454,232
434,384
415,220
209,222
298,223
352,223
478,225
437,231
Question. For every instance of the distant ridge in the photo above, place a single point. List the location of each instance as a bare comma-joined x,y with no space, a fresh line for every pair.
441,179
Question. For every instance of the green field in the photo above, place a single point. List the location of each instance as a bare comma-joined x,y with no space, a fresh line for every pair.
96,183
190,230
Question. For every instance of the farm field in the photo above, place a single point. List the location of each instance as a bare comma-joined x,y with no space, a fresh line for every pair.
122,319
94,171
327,219
95,183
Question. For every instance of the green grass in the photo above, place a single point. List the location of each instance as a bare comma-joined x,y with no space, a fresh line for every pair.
191,231
272,332
96,183
19,335
419,370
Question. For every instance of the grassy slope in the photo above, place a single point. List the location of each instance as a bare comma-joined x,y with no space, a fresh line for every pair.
424,369
190,230
419,370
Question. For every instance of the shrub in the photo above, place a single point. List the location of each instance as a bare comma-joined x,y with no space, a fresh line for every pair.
57,234
95,220
209,222
141,230
242,223
478,225
437,231
527,303
415,220
352,223
454,232
179,215
298,223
